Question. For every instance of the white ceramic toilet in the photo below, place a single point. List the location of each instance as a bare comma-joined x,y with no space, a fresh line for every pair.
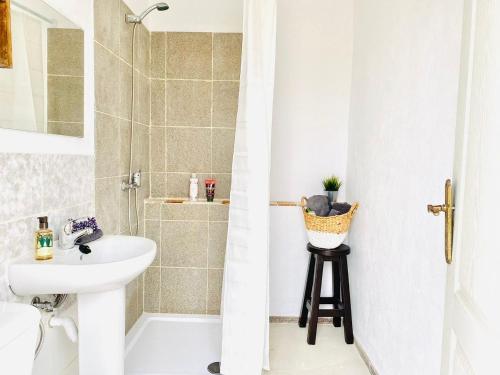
18,337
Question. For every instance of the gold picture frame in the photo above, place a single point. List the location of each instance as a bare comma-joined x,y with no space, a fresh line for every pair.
5,35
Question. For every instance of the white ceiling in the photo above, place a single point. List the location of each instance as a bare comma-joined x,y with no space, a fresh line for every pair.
193,15
43,11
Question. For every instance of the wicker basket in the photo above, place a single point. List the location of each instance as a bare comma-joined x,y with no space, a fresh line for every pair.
330,231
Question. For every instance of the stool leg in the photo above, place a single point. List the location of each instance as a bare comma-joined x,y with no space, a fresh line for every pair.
316,295
346,300
337,321
307,292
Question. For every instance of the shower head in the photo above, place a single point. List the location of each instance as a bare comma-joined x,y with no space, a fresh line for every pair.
132,18
162,6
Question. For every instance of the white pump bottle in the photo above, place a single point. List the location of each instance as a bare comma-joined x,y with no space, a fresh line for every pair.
193,187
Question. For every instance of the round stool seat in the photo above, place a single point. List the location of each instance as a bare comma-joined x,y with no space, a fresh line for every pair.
341,250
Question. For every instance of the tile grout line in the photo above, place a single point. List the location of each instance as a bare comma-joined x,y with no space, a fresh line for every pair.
65,122
161,263
150,121
198,80
119,57
188,221
120,87
195,79
208,249
149,158
212,110
188,268
64,75
165,168
119,117
118,176
150,181
165,67
211,160
193,127
182,172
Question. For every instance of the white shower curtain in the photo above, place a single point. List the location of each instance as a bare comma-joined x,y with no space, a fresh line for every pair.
245,303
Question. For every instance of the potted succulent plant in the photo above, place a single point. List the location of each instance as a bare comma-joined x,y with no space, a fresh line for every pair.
332,185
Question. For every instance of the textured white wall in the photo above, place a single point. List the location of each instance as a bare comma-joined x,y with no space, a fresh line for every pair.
311,112
67,192
403,107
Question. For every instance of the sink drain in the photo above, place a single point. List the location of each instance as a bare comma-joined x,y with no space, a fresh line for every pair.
214,368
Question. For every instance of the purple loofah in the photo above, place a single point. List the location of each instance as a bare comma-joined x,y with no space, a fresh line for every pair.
90,222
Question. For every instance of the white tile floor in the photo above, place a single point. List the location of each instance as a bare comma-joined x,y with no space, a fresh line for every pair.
162,344
290,354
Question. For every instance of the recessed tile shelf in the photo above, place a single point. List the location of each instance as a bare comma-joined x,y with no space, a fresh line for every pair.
198,201
224,202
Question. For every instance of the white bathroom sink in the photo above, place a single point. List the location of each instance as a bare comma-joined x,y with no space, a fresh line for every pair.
113,262
99,280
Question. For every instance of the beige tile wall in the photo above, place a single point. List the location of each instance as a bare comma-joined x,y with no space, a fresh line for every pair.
186,276
186,103
65,82
194,101
113,78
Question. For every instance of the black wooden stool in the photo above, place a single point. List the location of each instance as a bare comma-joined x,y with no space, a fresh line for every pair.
341,300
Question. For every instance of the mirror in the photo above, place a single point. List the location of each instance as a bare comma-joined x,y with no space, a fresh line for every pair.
44,90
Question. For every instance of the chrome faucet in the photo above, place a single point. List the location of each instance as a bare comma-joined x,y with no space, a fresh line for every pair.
67,238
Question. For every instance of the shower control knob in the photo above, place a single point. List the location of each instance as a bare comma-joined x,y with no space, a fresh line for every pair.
136,179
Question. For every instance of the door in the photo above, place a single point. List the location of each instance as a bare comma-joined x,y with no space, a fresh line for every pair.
472,315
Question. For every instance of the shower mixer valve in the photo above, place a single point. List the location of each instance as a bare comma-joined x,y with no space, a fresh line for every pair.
134,181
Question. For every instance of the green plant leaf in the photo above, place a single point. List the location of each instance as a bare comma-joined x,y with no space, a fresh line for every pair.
332,183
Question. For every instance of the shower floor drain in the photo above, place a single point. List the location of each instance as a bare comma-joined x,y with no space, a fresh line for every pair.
214,368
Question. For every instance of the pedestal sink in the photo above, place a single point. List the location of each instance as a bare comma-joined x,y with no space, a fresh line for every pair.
99,280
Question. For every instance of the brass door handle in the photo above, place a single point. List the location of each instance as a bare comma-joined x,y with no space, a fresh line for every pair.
436,210
448,210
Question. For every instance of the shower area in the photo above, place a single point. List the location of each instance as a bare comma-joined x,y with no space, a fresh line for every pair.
194,83
166,107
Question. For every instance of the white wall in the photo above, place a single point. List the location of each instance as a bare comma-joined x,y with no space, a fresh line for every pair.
403,107
311,111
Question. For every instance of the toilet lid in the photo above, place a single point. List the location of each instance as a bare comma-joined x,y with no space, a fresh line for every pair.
15,319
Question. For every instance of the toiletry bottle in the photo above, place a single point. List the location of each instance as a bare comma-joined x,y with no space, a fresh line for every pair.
210,189
44,240
193,187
